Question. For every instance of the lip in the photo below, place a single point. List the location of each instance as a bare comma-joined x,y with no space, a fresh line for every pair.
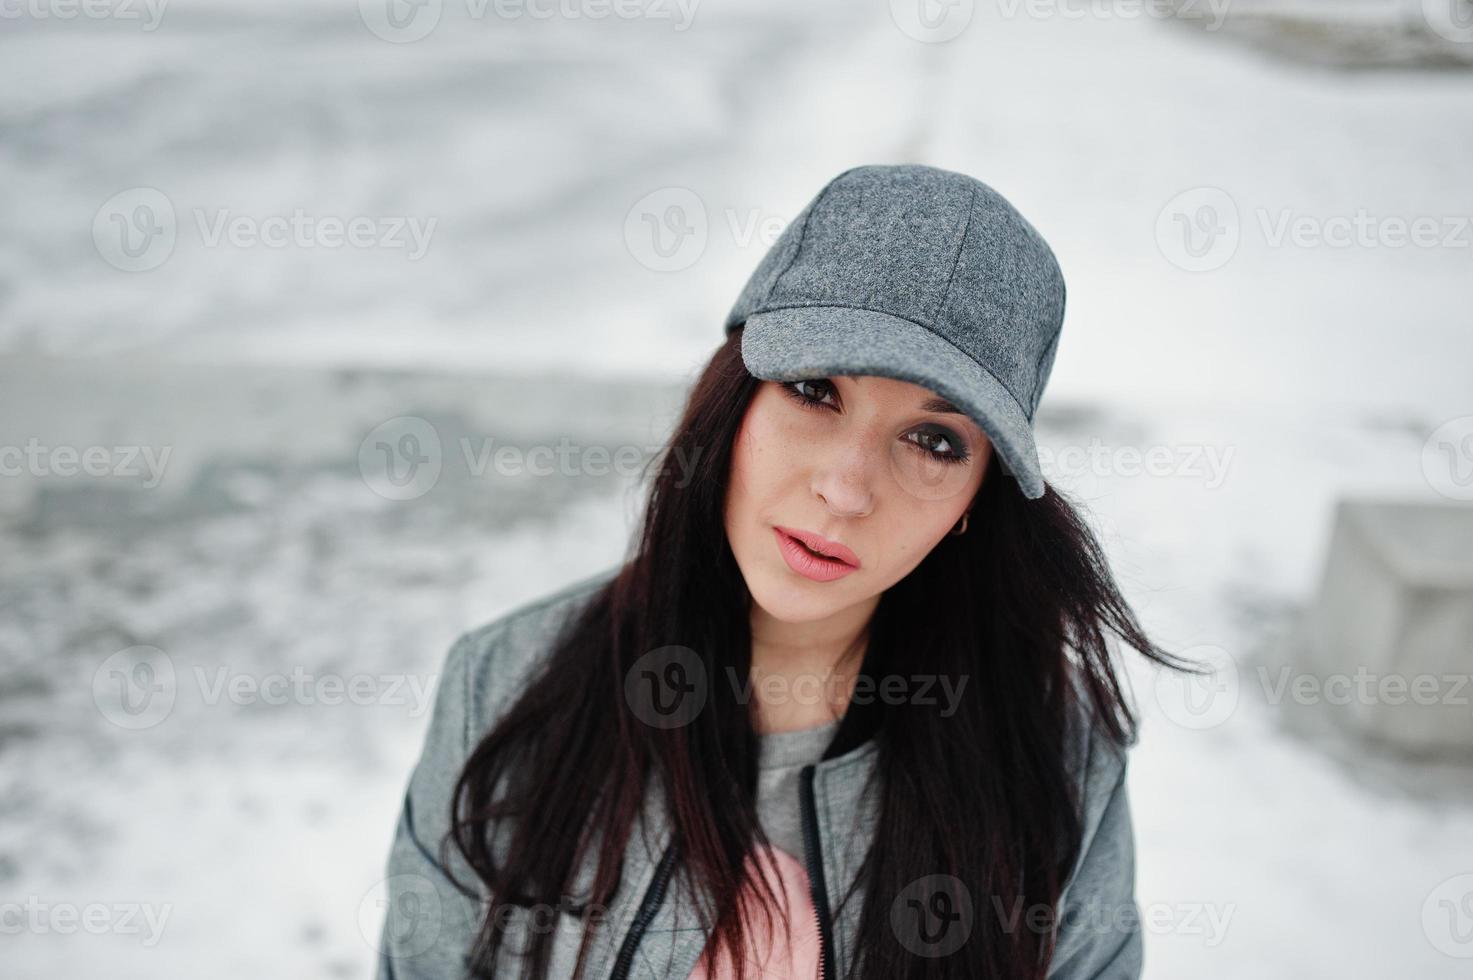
841,562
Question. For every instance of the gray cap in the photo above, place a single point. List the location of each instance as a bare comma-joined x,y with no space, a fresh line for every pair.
921,274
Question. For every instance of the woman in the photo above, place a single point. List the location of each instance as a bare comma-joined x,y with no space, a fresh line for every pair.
849,707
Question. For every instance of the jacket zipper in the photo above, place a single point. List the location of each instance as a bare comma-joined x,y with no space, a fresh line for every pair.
816,884
648,906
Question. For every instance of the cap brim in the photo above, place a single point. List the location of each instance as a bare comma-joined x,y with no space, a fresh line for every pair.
818,341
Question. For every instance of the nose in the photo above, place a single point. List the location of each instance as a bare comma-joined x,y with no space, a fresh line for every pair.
844,481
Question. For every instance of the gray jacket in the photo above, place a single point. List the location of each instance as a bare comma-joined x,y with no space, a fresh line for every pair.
652,930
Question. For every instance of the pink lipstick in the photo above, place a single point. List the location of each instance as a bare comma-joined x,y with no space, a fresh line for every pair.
814,557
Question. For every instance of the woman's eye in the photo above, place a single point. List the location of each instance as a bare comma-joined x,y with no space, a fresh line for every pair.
941,444
809,392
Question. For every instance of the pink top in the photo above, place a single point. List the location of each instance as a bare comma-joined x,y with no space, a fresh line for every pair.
773,957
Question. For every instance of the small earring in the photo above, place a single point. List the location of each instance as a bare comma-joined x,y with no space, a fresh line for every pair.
961,527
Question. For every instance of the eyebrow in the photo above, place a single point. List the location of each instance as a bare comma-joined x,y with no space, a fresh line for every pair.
940,405
943,406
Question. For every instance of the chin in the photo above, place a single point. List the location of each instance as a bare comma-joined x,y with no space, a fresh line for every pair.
791,599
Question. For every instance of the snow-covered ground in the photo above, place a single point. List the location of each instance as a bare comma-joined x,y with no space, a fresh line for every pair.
542,309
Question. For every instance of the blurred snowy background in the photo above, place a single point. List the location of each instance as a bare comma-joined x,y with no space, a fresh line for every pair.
248,245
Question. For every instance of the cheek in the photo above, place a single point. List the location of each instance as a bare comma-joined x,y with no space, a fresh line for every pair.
912,530
763,455
745,481
913,526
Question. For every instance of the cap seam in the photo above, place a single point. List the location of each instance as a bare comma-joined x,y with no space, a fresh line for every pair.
803,232
961,243
842,306
1038,367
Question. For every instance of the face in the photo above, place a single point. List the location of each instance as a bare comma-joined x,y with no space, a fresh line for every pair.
879,469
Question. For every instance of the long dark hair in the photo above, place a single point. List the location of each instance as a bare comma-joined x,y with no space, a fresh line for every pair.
982,795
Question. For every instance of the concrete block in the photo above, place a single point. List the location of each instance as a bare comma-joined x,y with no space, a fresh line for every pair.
1389,638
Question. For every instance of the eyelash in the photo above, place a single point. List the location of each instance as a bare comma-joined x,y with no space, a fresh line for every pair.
961,456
